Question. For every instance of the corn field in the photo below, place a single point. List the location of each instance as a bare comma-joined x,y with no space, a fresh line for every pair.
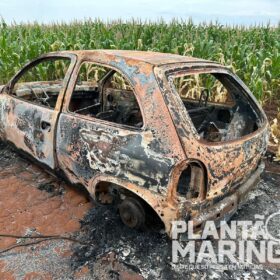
253,53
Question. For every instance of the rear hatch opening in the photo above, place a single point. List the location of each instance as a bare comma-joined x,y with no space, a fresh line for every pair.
218,105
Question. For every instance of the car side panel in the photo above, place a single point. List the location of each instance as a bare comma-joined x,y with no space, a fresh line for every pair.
87,148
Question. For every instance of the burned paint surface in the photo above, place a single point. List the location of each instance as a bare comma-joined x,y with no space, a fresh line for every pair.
91,149
148,161
21,125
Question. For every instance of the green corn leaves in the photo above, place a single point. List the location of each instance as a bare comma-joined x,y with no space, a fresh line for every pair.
252,53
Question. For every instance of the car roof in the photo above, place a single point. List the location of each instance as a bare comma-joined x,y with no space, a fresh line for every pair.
154,58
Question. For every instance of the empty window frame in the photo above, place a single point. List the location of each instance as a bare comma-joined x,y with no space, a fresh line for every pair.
103,93
216,104
42,83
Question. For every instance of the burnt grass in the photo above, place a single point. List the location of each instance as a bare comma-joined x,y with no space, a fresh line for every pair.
148,253
103,228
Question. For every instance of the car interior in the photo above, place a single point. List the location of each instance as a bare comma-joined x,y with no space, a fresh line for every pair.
100,92
41,83
111,99
39,93
217,106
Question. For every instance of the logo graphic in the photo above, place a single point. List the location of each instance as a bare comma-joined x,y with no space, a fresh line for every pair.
236,243
272,226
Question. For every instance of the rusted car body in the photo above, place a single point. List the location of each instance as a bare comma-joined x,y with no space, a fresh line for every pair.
145,166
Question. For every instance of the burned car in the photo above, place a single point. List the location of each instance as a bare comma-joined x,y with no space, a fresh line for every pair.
162,136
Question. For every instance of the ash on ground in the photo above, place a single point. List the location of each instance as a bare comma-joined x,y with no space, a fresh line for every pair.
148,254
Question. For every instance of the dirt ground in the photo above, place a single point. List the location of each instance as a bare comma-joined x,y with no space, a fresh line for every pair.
34,203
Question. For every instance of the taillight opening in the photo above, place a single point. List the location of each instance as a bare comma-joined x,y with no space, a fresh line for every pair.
192,182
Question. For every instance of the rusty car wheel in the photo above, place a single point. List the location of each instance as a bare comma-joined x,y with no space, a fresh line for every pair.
132,213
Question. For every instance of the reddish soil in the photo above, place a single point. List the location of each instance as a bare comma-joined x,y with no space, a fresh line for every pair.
33,202
25,207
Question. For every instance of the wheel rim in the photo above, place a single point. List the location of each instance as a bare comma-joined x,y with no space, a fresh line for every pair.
132,213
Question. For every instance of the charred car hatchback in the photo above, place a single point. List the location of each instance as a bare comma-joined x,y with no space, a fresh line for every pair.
175,136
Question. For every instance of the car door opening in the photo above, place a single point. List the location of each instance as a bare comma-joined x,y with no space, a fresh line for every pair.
103,93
